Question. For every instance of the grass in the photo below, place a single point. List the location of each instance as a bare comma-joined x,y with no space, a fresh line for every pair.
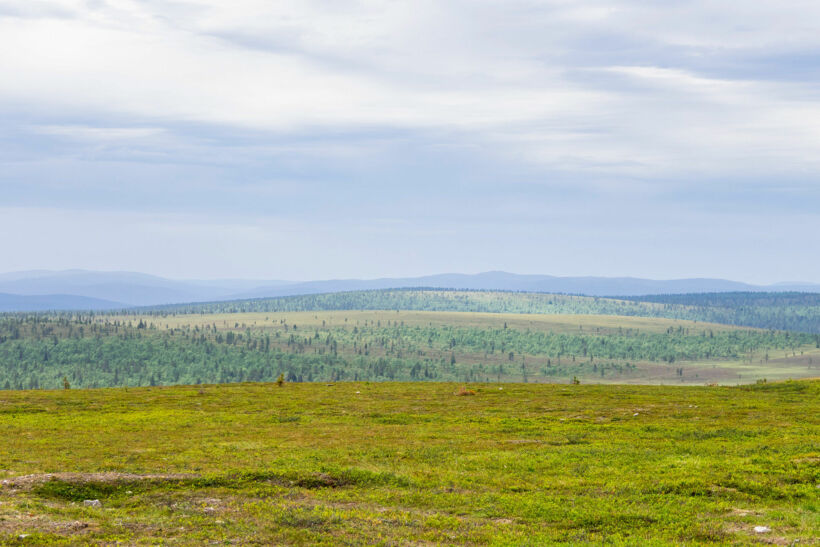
399,463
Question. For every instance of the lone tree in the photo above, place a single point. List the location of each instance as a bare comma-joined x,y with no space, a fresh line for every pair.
66,385
281,380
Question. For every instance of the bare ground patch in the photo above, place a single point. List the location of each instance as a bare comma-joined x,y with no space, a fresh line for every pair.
107,477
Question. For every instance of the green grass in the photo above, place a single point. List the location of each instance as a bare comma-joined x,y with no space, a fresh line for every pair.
399,463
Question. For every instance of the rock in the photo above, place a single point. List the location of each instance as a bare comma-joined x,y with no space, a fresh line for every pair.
92,503
762,529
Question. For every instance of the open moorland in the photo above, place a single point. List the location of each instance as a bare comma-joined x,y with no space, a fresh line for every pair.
412,463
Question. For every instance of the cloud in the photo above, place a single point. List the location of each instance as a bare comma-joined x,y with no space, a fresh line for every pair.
89,133
421,111
480,74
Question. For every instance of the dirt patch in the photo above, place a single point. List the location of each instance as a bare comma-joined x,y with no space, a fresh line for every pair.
108,477
743,512
15,522
525,441
748,531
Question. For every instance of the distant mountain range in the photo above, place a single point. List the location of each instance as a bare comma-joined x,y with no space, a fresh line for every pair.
81,290
123,289
53,302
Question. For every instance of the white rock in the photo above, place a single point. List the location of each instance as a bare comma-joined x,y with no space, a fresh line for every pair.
92,503
635,414
762,529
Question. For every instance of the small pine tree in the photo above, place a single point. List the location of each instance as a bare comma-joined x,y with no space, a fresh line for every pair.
66,385
281,380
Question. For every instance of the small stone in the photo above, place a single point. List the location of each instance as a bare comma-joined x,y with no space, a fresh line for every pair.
22,536
92,503
635,414
762,529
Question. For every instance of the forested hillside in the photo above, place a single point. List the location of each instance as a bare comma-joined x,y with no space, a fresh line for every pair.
785,311
779,311
99,351
423,299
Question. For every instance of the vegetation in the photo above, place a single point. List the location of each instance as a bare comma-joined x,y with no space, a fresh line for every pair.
38,351
777,311
351,458
398,463
783,311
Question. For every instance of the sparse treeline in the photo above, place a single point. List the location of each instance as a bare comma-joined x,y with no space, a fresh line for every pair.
38,351
783,311
778,311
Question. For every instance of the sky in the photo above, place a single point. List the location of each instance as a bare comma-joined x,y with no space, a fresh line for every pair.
310,140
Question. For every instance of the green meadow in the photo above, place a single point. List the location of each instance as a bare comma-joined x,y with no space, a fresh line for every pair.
412,463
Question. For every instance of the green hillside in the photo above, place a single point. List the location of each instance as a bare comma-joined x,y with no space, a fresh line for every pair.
778,311
38,351
398,464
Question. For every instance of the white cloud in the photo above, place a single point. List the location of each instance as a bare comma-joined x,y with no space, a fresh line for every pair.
303,110
90,133
478,68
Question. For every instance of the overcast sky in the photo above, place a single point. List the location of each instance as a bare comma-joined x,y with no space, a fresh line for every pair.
306,140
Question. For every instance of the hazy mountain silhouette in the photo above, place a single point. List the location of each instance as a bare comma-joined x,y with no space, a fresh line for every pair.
106,290
129,288
54,302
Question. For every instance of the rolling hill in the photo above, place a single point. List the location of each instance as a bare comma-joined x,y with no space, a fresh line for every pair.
136,289
779,311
